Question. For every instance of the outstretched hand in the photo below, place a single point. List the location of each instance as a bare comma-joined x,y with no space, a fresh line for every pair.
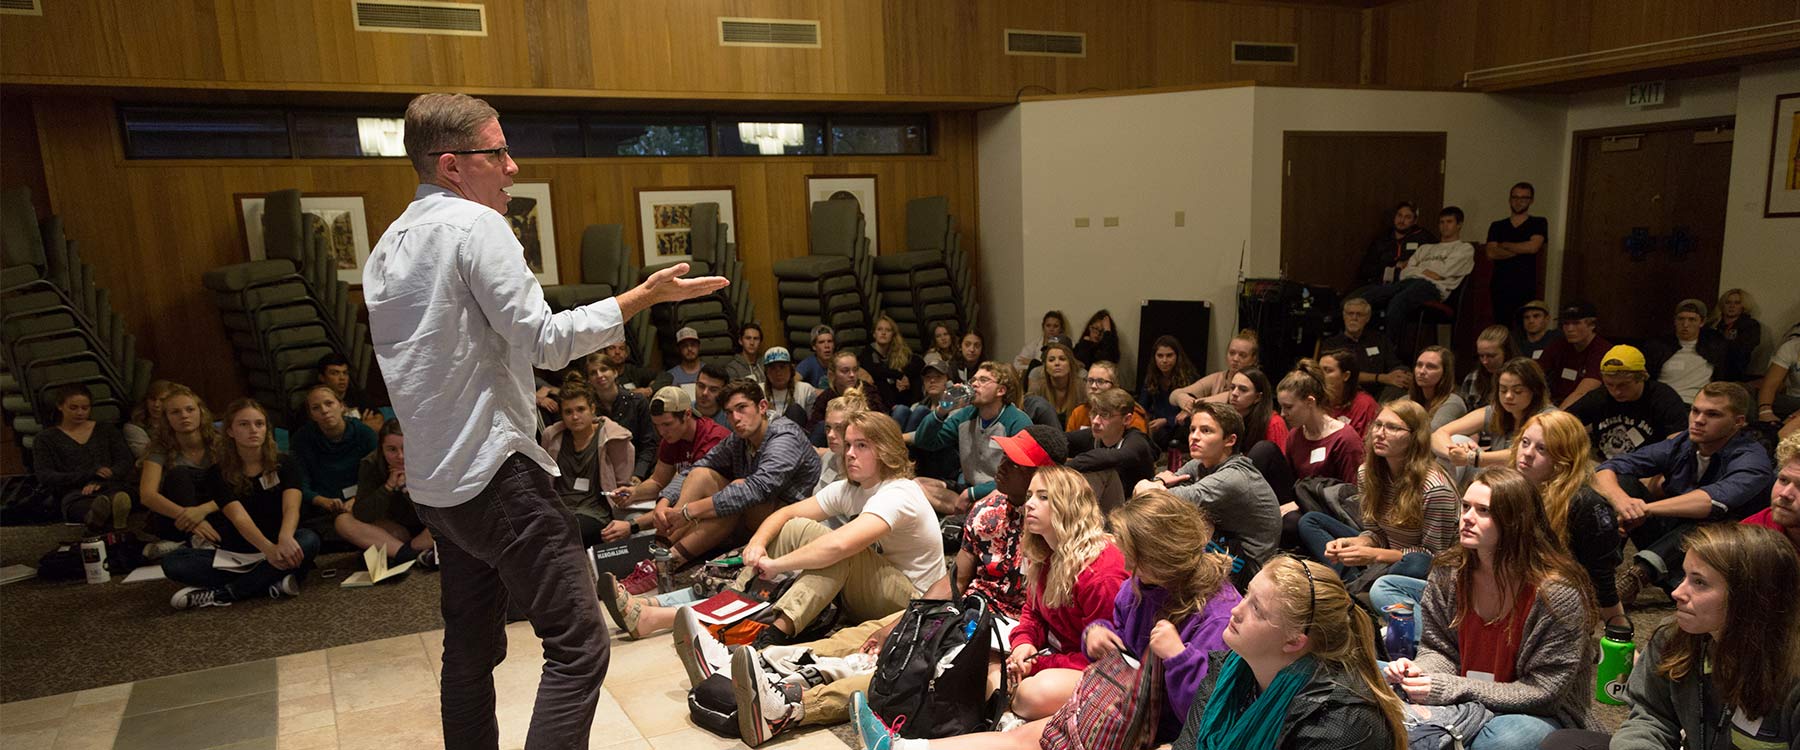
668,285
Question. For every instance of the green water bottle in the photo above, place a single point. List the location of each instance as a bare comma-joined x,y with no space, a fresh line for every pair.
1616,649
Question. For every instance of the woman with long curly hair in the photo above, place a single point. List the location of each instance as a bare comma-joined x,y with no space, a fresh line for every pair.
1408,502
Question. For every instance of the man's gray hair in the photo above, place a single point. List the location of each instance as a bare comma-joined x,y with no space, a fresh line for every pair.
442,122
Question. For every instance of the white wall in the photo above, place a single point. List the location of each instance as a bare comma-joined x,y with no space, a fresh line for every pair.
1761,255
1000,201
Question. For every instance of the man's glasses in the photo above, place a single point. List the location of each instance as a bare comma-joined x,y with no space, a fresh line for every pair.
1092,382
500,151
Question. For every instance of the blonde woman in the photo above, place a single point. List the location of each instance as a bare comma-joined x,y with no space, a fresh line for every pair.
1735,319
890,361
1060,383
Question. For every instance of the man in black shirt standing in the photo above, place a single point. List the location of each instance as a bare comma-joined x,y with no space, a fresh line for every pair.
1513,243
1630,410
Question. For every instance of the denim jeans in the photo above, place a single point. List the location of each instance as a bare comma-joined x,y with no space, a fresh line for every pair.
194,567
1513,732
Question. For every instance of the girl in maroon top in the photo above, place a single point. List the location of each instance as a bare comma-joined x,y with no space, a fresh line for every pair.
1342,396
1319,445
1074,573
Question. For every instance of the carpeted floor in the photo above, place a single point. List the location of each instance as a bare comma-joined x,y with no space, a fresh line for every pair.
59,637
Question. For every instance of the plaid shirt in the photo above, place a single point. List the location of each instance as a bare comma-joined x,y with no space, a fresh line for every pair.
784,469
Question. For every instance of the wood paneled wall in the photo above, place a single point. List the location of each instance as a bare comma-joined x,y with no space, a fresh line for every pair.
669,48
152,228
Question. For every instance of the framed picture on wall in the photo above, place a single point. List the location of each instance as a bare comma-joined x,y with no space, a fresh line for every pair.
664,220
1783,198
859,187
339,216
529,213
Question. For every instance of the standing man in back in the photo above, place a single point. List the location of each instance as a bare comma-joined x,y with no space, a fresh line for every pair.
458,322
1513,244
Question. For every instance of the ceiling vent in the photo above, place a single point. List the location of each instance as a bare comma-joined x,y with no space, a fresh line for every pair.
421,17
1261,53
1046,43
768,32
22,7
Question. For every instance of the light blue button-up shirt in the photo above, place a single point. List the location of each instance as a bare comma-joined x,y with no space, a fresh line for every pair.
458,322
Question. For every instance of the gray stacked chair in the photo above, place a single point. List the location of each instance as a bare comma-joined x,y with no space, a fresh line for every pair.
929,282
605,272
57,327
716,316
284,313
832,285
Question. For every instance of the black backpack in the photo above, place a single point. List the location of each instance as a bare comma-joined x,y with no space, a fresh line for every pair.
916,696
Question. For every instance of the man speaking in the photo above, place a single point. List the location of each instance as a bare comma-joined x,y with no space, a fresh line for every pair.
458,322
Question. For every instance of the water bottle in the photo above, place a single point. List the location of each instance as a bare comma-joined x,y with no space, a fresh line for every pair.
664,561
1400,640
1616,650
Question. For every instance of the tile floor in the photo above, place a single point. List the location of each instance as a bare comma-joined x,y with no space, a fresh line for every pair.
378,695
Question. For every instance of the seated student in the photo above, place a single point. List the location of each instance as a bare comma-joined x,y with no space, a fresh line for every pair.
1433,272
1727,674
334,372
631,376
1393,247
687,365
1734,318
1074,572
844,376
1493,348
84,464
1434,386
1053,326
1572,365
175,463
328,451
259,493
382,514
1112,444
1534,332
1409,506
685,439
1222,481
1104,376
988,560
707,385
1099,340
1060,382
145,417
970,350
1689,357
1241,352
1779,396
1301,673
942,335
972,428
1714,471
1377,363
816,369
1505,622
1319,445
890,362
595,455
1521,394
1170,369
1176,605
831,457
1343,399
1254,400
788,395
622,405
1552,453
772,457
934,377
1783,513
746,362
1630,410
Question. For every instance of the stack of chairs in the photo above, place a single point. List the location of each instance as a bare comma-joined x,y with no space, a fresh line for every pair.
930,281
833,285
284,313
605,272
57,327
716,316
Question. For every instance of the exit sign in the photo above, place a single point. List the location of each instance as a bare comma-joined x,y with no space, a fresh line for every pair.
1645,94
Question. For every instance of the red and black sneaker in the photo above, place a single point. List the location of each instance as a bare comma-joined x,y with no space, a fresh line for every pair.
642,578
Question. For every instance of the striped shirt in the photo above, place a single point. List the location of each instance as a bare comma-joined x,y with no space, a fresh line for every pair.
1441,510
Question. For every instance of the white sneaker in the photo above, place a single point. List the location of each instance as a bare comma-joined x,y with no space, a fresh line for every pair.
766,705
289,585
701,653
157,550
194,597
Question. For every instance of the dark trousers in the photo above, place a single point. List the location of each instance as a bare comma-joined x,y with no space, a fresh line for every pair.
1576,739
516,536
1318,529
1402,300
194,567
1658,539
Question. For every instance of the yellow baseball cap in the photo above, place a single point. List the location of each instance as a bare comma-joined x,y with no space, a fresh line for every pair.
1622,358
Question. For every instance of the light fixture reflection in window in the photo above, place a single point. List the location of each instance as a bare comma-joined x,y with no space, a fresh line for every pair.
382,136
771,138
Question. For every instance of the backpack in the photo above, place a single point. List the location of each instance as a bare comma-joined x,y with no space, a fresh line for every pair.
24,501
930,679
1116,706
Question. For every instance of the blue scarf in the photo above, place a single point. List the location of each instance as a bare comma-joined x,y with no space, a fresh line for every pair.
1233,721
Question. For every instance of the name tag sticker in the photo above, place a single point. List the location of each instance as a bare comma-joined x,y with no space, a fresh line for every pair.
1539,354
1412,245
271,479
582,484
350,492
1482,676
1569,373
1317,455
1372,351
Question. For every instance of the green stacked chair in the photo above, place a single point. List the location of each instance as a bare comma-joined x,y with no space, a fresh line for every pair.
929,282
715,316
831,286
605,272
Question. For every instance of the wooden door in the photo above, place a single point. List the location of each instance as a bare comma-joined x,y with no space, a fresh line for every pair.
1646,222
1338,191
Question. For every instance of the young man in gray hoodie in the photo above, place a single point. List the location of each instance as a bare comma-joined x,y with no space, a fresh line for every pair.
1245,513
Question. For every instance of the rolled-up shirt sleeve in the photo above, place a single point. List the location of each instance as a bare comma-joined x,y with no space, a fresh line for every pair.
509,295
1745,480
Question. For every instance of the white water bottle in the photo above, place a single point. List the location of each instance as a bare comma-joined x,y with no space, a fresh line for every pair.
93,560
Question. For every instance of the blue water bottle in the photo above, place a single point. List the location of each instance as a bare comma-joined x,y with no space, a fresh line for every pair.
1401,641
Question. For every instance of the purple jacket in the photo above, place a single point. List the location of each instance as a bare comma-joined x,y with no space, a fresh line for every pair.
1135,612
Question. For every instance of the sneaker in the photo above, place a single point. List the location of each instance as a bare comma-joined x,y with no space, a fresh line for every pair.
429,558
121,510
194,597
642,579
701,653
765,704
613,596
1631,582
289,585
874,734
157,550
